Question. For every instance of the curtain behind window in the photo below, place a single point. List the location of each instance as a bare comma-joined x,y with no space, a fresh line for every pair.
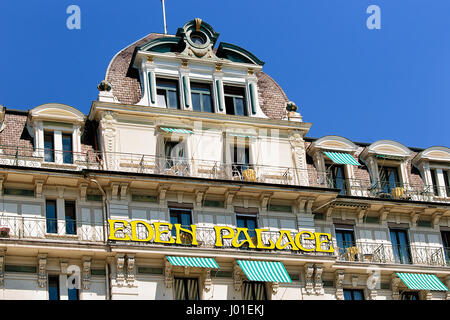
179,289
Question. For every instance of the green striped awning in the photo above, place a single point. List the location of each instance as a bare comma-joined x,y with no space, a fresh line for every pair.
176,130
193,262
420,281
264,271
342,158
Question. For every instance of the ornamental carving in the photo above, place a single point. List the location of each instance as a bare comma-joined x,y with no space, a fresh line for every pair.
340,285
309,270
42,273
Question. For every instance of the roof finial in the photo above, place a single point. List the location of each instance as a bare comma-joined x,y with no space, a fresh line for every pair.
198,23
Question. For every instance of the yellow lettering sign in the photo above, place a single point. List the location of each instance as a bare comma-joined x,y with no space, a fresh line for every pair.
326,240
220,237
248,240
113,230
291,242
159,232
259,242
299,240
134,227
185,238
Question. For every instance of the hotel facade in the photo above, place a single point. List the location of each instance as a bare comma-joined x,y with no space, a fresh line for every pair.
192,177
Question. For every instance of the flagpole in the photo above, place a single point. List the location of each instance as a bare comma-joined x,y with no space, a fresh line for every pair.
164,16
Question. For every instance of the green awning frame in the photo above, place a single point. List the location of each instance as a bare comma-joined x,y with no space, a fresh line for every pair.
421,281
193,262
266,271
341,158
176,130
241,135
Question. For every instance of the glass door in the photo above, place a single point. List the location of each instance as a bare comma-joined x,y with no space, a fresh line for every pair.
346,243
446,243
400,246
389,179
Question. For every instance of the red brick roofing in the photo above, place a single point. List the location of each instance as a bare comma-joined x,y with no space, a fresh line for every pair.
126,85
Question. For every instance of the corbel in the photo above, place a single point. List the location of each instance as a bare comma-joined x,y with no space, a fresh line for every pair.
414,217
83,190
162,191
2,180
168,276
308,206
339,284
2,267
318,284
38,186
120,276
199,194
229,195
436,219
123,191
131,270
275,286
87,272
395,283
383,213
301,202
355,279
63,265
309,270
207,283
361,213
42,266
237,277
264,199
114,190
328,213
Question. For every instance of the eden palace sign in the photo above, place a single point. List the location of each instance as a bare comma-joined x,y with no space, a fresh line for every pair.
161,232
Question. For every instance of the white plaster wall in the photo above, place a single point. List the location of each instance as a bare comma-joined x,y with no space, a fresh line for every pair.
22,287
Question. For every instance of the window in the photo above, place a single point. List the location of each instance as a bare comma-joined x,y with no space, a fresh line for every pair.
336,174
235,100
434,181
446,183
49,147
345,239
400,246
409,295
67,148
353,294
240,156
71,220
167,93
186,289
249,222
201,97
446,243
174,153
181,216
254,290
53,287
389,179
51,219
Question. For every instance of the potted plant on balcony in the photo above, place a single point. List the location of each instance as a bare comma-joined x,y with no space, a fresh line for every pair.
4,232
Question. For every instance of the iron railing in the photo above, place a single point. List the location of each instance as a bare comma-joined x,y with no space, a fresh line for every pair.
373,252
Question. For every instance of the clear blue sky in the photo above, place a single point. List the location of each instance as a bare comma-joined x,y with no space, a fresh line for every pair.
347,80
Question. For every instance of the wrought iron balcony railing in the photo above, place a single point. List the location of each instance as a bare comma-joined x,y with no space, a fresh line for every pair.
372,252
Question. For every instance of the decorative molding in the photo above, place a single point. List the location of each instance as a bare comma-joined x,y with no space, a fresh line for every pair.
162,191
207,283
63,265
60,191
120,275
123,191
114,190
264,199
229,195
309,270
275,286
414,217
38,186
2,267
395,283
361,213
168,276
339,284
83,190
131,270
237,277
42,273
355,279
318,284
86,272
199,194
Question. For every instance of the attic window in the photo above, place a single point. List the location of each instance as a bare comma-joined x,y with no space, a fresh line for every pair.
198,38
235,100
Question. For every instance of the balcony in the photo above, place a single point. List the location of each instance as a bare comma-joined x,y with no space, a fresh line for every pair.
372,252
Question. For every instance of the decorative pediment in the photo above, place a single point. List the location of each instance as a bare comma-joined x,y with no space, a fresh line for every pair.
436,153
386,149
333,143
57,112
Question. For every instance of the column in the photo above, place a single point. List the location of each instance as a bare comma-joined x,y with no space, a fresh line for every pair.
58,147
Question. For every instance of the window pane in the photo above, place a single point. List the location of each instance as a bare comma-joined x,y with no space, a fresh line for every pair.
179,289
173,99
71,224
49,147
239,106
207,105
192,285
53,287
73,294
229,105
195,97
50,210
67,148
161,100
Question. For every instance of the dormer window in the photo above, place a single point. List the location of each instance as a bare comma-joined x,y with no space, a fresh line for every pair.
235,103
389,179
201,97
49,147
167,93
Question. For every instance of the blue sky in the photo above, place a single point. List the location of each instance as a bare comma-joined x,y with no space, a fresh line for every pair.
365,85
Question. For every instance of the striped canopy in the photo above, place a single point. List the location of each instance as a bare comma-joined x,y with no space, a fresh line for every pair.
420,281
264,271
242,135
193,262
342,158
175,130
